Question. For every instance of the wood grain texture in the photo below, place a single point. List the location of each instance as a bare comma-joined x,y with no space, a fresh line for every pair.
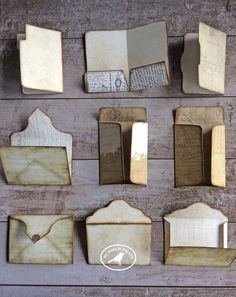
74,69
85,195
71,291
73,18
79,117
83,274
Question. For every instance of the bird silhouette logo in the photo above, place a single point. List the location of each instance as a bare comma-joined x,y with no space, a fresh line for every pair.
117,259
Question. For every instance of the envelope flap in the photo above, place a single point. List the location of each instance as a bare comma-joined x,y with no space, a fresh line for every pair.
35,165
122,114
211,70
199,210
203,116
199,256
218,156
118,212
41,132
198,225
139,153
38,226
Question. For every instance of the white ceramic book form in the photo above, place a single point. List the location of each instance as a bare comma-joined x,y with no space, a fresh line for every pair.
197,236
119,223
122,60
203,61
39,155
40,60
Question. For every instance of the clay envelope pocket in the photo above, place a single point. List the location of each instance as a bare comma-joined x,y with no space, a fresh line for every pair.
123,145
197,236
41,239
38,155
119,224
200,146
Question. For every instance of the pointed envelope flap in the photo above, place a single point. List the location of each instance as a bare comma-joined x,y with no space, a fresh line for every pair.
35,165
41,132
139,153
38,226
111,154
218,156
41,60
122,114
118,212
199,256
198,225
211,69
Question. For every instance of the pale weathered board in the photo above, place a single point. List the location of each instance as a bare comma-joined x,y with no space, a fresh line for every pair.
74,69
76,112
70,291
80,273
85,195
75,17
80,118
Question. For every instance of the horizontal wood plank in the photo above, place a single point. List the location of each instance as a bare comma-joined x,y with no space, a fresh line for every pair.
79,117
73,18
86,195
80,273
74,69
42,291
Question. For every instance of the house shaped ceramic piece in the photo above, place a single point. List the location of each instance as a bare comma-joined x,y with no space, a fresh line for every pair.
123,145
39,155
119,224
40,60
122,60
200,146
197,236
203,61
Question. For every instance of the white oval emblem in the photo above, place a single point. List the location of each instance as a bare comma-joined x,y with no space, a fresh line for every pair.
115,256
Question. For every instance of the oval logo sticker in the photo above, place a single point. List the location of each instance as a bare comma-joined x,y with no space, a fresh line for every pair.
118,257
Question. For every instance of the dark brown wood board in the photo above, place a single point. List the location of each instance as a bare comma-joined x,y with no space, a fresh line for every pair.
77,112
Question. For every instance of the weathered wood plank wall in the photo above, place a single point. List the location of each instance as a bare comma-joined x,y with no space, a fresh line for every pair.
76,112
